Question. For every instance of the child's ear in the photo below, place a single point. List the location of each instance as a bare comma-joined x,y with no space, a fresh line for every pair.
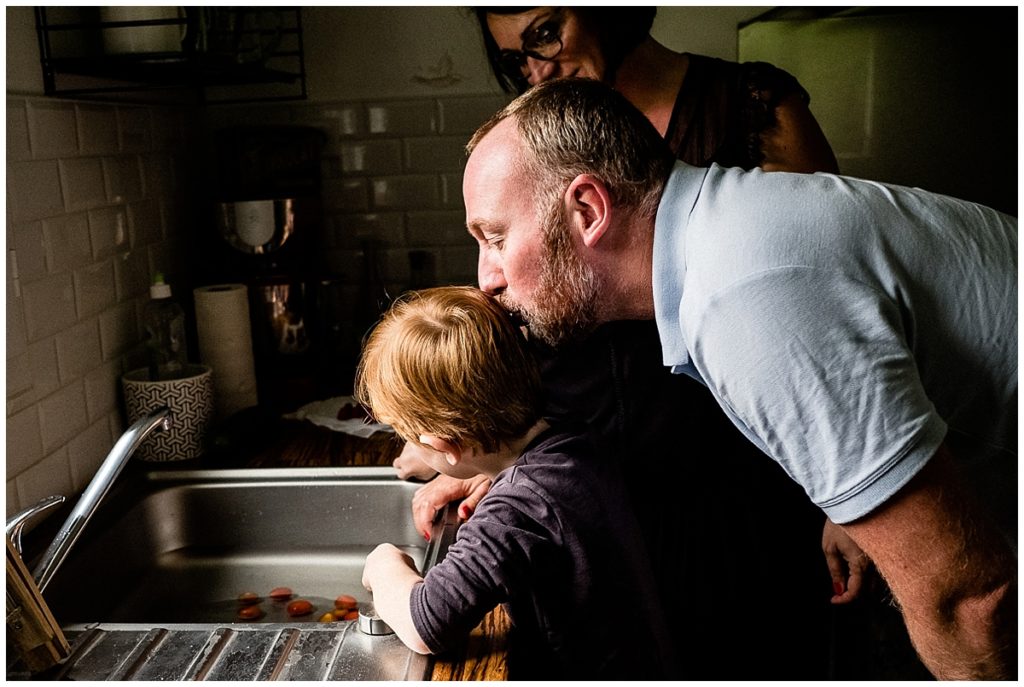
452,452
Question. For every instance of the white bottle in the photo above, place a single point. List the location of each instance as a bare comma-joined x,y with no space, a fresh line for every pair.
164,321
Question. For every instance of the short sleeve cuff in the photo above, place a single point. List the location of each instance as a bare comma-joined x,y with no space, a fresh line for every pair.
887,483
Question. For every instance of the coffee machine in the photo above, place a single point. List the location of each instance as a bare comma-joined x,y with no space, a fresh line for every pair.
267,215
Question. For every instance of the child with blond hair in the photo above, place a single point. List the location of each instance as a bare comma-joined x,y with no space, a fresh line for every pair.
554,539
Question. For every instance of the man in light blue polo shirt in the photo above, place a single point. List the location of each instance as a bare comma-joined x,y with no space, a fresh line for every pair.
862,335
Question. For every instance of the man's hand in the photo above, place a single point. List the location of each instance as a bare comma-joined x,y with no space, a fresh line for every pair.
847,563
410,463
439,492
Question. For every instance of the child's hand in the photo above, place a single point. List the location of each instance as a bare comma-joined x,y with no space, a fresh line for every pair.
383,564
390,576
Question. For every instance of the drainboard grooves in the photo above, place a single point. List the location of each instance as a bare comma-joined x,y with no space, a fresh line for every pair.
311,656
277,658
208,657
243,655
136,660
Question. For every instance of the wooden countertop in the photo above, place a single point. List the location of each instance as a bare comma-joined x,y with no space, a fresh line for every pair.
303,444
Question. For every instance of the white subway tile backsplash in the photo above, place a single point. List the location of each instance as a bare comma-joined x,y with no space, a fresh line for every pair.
20,384
62,416
371,157
24,440
68,243
42,357
438,228
403,118
435,154
94,288
102,385
131,272
87,451
335,120
157,174
346,231
49,306
465,115
52,129
84,186
413,191
146,223
34,190
345,194
459,264
13,503
83,181
30,251
123,178
108,230
78,350
17,131
97,130
50,476
119,330
135,129
451,185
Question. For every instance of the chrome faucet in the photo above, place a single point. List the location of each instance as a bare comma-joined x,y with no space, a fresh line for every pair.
157,420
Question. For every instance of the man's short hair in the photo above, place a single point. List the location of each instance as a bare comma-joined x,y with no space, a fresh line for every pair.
450,362
576,126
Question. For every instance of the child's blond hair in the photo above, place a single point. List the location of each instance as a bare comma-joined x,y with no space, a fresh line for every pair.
449,362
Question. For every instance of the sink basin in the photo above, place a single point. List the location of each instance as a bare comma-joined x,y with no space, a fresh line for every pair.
151,589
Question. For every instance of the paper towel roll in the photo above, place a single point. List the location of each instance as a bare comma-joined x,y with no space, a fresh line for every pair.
225,344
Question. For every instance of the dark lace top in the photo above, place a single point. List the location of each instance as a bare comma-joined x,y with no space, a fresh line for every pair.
723,108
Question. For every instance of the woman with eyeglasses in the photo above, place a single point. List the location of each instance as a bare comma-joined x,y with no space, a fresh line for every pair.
710,110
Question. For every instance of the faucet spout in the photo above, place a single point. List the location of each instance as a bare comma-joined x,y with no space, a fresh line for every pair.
158,420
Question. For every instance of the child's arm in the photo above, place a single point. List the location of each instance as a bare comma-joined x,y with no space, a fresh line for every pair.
390,575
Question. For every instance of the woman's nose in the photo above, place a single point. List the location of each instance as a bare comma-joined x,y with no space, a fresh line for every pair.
538,71
489,275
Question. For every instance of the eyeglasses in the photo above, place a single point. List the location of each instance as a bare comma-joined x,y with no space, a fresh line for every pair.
541,43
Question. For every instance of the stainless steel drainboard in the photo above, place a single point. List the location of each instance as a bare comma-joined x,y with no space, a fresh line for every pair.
237,652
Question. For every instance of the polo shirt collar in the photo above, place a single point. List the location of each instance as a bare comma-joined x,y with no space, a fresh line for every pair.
669,260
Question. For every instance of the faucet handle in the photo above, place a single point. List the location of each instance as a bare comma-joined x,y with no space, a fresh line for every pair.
17,522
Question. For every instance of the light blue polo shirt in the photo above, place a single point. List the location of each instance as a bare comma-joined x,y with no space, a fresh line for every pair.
847,327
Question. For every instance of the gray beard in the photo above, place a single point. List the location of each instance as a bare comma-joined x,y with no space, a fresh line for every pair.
565,308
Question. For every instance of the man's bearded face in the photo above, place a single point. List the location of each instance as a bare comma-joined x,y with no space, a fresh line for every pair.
564,306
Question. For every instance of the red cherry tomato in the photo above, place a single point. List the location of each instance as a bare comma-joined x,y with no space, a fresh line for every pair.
299,607
281,593
346,601
248,598
251,612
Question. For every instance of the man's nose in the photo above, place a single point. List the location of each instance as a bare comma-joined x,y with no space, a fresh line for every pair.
538,71
489,275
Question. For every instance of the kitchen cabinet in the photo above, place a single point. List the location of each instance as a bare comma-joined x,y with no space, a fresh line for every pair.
172,54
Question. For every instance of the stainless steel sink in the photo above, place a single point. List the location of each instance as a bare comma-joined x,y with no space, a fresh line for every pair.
151,589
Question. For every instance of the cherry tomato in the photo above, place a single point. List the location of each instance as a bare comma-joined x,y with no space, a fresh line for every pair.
352,615
339,613
248,598
327,618
251,612
281,593
346,601
299,607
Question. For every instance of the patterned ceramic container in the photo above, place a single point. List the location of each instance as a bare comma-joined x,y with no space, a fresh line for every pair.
190,399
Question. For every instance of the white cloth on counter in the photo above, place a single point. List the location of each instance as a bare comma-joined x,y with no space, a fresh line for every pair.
325,414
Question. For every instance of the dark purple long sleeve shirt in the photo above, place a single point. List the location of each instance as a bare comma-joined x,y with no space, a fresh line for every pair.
555,540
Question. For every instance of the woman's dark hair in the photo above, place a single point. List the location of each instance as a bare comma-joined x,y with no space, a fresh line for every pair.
619,30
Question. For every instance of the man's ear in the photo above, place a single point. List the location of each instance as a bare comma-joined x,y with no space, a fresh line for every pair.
589,208
452,452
